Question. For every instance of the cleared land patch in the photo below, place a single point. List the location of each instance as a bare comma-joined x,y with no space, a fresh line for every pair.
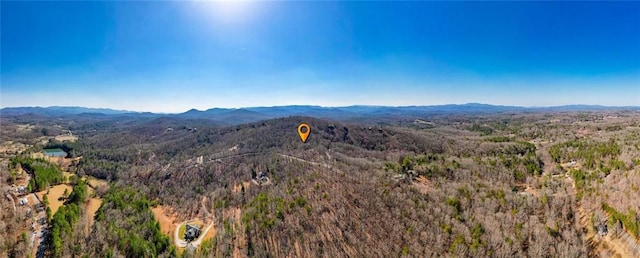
63,138
167,222
92,207
12,147
25,127
55,193
210,234
183,227
95,183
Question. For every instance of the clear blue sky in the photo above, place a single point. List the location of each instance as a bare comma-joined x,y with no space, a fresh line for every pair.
173,56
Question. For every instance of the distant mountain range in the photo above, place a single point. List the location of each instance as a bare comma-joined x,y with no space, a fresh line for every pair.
252,114
58,111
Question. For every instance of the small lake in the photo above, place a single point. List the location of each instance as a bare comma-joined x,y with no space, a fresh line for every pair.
55,152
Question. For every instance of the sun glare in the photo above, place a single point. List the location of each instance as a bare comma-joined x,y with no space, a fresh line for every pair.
232,11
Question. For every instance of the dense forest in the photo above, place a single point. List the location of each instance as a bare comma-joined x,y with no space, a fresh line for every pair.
480,186
138,236
44,173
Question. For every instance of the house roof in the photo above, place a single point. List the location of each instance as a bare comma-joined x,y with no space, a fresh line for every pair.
189,226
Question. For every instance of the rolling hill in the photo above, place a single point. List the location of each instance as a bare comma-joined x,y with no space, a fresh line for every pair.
365,114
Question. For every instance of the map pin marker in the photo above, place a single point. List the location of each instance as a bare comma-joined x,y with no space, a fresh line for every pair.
303,131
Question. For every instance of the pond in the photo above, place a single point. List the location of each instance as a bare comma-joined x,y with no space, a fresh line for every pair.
55,153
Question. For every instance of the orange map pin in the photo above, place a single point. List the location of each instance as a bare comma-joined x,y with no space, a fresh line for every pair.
303,131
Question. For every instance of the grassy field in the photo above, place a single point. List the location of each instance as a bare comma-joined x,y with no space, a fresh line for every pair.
55,192
183,228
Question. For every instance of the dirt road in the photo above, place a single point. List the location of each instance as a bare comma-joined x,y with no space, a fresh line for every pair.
303,160
176,233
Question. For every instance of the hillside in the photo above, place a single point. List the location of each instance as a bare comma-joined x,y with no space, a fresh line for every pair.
361,114
464,185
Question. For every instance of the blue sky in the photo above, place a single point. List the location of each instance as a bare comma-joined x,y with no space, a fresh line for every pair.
173,56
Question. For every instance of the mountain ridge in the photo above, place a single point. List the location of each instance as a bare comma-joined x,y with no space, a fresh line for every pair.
345,113
80,109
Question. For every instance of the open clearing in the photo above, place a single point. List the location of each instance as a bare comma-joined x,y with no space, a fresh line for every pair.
55,192
183,227
25,127
92,207
179,233
167,222
12,147
95,183
67,175
63,138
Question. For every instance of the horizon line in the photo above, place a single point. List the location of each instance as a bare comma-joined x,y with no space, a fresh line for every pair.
321,106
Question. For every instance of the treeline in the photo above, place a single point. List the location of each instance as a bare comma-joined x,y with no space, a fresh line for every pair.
429,165
512,148
499,139
630,220
126,225
68,147
482,129
43,173
519,158
63,221
589,151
